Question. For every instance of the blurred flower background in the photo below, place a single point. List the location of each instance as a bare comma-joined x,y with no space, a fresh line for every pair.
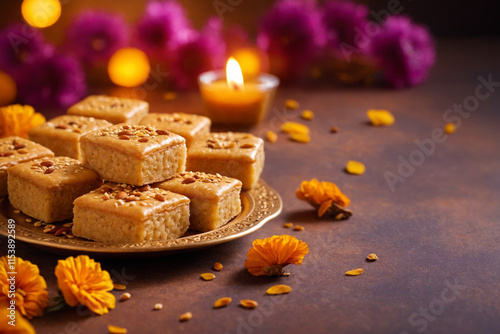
297,40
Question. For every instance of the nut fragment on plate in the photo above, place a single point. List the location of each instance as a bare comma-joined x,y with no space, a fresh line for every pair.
207,276
119,286
278,289
186,316
372,257
222,302
354,272
125,296
355,167
117,330
248,303
218,266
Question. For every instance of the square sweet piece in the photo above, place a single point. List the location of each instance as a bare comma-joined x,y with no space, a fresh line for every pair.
62,134
188,126
134,154
112,109
215,199
120,213
46,188
14,150
237,155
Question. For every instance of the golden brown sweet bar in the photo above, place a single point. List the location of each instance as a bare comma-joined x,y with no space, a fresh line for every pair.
46,188
62,134
14,150
134,154
215,199
121,213
188,126
237,155
113,109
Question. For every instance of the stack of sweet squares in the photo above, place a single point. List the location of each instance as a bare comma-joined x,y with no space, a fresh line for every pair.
142,159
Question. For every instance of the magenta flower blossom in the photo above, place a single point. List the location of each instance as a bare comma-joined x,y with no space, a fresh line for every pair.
162,28
346,23
404,51
94,36
56,81
292,33
204,51
20,46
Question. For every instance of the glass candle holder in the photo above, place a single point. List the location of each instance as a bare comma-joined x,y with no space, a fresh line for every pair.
233,105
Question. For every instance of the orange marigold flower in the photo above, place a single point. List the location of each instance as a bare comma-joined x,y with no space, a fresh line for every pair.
82,281
269,256
31,295
22,326
17,120
325,196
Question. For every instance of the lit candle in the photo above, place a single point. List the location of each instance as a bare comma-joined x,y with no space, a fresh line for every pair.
230,100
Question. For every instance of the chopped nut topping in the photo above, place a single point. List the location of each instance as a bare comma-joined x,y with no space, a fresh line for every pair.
61,126
188,180
247,146
144,188
162,132
121,195
22,151
160,197
47,163
6,154
143,140
124,137
49,170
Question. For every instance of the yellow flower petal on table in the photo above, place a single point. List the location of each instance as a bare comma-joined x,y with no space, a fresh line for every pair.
380,117
82,281
278,289
272,136
354,272
449,128
207,276
300,137
117,330
17,120
222,302
294,127
355,167
269,256
308,115
316,193
31,295
291,104
22,326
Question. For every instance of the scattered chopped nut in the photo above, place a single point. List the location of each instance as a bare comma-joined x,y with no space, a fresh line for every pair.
124,137
298,228
125,296
287,225
291,104
247,303
29,220
271,136
278,289
308,115
354,272
68,225
49,170
17,211
162,132
116,330
160,197
334,129
207,276
158,306
372,257
121,195
355,167
38,224
119,286
218,266
222,302
143,140
186,316
449,128
22,151
47,163
380,117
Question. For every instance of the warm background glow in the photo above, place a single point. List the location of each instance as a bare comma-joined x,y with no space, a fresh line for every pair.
129,67
41,13
8,89
233,74
252,62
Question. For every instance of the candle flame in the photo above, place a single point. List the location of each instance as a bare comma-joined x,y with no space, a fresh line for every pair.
233,74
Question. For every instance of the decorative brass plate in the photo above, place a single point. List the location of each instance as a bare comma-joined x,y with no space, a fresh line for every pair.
259,205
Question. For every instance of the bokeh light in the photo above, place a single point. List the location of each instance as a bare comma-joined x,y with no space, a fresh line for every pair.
128,67
41,13
8,89
252,62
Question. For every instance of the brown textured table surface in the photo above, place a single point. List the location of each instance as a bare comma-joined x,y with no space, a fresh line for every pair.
437,234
